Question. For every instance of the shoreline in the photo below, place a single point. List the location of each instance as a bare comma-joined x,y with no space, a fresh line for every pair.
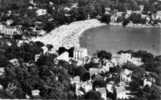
68,35
131,25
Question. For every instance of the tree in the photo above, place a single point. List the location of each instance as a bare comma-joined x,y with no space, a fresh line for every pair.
104,55
125,22
106,18
92,95
146,57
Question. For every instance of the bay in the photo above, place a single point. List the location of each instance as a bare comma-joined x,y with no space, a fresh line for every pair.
116,38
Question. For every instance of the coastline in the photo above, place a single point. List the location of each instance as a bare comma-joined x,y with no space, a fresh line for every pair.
131,25
68,35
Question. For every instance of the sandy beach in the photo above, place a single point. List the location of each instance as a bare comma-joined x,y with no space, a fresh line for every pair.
68,35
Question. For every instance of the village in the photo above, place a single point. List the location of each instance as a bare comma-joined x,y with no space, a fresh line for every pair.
41,56
104,73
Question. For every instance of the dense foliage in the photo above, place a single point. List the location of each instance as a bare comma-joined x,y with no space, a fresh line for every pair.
23,13
52,77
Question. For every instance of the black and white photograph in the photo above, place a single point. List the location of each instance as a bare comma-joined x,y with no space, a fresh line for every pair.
80,49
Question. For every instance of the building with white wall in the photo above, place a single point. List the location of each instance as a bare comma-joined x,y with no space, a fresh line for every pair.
126,75
80,55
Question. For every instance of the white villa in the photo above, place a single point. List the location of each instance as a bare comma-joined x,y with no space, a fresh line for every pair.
80,55
126,75
127,57
9,30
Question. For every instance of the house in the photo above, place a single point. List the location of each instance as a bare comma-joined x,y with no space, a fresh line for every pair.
27,96
37,56
78,91
4,43
83,87
107,10
15,62
111,91
102,91
126,75
127,57
158,15
99,81
94,71
136,61
64,56
67,9
80,54
51,3
9,22
41,12
128,14
2,71
1,27
147,82
45,49
75,80
32,2
87,86
148,79
74,5
109,87
35,92
122,93
124,58
95,60
115,60
113,18
1,87
141,8
106,67
10,31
